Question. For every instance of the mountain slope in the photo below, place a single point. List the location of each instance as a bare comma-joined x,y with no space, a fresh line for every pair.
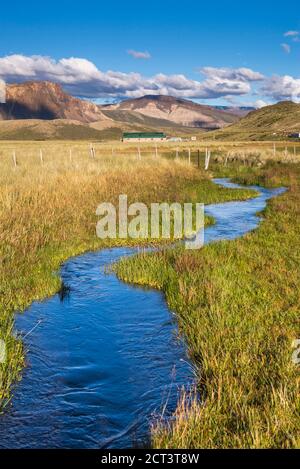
178,111
270,122
55,129
46,100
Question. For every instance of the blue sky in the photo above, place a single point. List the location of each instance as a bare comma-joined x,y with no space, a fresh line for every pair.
181,39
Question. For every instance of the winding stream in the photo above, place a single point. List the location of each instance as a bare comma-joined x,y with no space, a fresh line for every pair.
106,359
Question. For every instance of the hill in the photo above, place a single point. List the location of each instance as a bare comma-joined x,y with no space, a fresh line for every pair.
46,100
58,129
271,122
177,111
67,129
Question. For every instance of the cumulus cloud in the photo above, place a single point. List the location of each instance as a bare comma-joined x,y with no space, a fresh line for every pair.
82,78
291,33
286,48
260,103
237,74
2,91
282,88
139,55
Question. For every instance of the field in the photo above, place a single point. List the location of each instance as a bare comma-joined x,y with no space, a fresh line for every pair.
239,317
47,214
237,305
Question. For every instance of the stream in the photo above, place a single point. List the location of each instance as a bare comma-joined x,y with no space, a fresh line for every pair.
105,360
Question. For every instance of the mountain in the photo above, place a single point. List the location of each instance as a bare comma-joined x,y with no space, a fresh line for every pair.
43,110
270,122
177,111
239,111
46,100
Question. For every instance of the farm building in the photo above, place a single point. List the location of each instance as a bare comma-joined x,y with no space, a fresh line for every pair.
295,135
143,136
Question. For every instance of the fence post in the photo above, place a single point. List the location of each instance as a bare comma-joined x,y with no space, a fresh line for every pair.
226,159
207,158
92,151
274,150
14,159
198,158
189,152
41,156
70,154
176,156
156,154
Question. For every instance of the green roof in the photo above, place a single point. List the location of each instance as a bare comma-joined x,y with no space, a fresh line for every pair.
143,135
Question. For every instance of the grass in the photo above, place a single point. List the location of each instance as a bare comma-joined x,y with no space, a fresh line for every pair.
273,122
47,214
237,304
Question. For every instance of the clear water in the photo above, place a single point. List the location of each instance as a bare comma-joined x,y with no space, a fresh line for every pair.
106,359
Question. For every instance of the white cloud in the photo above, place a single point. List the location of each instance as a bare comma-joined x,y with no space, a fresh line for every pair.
82,78
2,91
282,88
139,55
237,74
286,48
291,33
260,104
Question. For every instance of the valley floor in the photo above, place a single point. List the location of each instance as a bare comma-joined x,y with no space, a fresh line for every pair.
237,302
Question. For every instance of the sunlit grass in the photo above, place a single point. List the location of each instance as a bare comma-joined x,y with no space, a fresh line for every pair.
237,304
47,214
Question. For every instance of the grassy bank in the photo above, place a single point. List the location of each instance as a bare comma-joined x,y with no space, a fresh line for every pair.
47,214
237,304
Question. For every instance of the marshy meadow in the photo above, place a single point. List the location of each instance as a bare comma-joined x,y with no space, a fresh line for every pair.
236,302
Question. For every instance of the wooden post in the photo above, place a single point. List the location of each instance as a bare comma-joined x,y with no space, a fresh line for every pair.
274,150
176,153
70,155
295,151
41,156
14,159
139,153
226,159
286,152
207,159
112,151
189,152
92,151
198,158
156,154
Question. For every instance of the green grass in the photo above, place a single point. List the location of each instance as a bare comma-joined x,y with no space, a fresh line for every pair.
269,123
47,214
237,304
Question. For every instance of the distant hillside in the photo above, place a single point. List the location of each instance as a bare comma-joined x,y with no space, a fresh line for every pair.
67,129
46,100
136,118
178,111
270,122
237,111
58,129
